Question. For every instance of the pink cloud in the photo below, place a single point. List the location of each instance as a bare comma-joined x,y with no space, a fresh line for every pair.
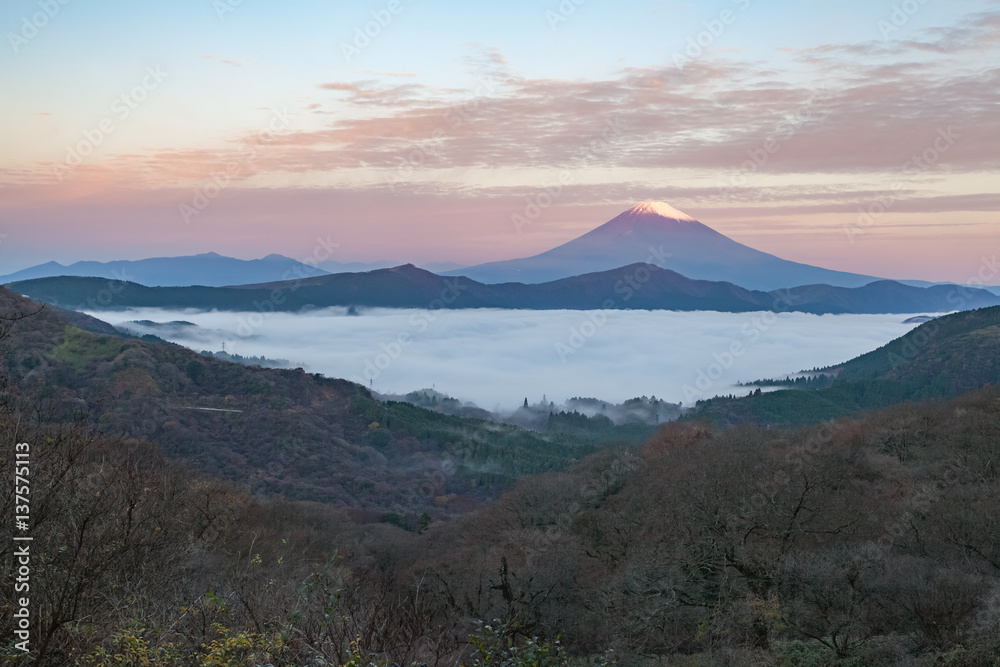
875,106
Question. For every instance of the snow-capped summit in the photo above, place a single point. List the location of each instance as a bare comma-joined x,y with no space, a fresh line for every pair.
657,233
648,217
659,208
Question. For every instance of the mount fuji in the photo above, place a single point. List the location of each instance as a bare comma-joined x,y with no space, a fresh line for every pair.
657,233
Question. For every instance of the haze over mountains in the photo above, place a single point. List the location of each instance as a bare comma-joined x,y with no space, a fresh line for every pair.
204,269
730,275
638,286
658,233
209,269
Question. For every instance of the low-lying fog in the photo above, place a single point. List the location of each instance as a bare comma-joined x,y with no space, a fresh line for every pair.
497,358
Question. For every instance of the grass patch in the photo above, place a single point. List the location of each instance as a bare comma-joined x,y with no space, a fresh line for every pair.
80,347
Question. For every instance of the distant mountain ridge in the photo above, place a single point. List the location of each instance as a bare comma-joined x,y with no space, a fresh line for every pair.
332,266
676,240
638,286
209,269
650,232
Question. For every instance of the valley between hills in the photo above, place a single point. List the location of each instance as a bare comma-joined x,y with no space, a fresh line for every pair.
500,334
849,516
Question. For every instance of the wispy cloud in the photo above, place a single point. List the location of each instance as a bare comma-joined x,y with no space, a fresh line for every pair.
227,61
377,72
868,115
842,119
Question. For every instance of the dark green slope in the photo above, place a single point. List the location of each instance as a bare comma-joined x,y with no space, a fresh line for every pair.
282,432
961,350
939,359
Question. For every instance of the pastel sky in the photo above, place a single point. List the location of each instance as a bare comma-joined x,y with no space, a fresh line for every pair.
249,127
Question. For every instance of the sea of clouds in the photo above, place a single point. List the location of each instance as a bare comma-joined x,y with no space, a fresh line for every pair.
497,358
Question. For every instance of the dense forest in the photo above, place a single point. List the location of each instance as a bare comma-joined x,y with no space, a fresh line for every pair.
275,431
870,539
938,360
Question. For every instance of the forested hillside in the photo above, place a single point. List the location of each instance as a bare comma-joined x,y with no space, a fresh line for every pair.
941,358
278,432
869,540
861,542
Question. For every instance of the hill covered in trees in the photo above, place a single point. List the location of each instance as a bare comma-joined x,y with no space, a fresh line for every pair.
939,359
870,539
278,432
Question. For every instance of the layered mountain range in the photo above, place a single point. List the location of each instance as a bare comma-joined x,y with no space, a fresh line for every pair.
658,233
209,269
637,286
652,256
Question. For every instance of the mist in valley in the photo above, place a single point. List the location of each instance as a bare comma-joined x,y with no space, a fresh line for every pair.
498,358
